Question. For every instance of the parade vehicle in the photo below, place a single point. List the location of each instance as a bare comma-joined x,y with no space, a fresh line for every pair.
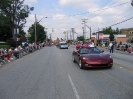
63,45
92,57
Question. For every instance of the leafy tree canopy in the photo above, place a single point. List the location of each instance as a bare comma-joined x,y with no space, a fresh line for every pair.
40,33
15,12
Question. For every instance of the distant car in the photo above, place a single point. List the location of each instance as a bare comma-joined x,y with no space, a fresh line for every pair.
92,57
63,45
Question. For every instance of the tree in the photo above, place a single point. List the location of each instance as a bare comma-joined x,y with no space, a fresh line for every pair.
80,38
40,33
111,37
107,30
117,31
5,33
16,13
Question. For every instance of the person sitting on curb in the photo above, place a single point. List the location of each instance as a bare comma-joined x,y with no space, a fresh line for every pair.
2,55
0,58
129,49
7,55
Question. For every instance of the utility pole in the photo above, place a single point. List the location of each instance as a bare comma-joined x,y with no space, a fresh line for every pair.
83,34
90,30
73,30
70,36
84,22
50,37
67,35
35,28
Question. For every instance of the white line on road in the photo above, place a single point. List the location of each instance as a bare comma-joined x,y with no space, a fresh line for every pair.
74,89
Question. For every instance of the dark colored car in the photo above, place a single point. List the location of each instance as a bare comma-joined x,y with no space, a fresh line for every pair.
92,57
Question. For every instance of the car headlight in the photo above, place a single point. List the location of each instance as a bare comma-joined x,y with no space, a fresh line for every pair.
85,58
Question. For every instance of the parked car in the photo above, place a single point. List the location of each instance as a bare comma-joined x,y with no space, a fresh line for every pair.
92,57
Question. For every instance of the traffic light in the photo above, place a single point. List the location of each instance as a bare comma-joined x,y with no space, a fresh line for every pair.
52,30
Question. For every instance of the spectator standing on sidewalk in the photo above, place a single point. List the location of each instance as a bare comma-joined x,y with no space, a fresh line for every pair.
111,47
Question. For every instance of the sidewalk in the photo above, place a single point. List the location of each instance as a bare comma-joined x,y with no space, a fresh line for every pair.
115,51
106,49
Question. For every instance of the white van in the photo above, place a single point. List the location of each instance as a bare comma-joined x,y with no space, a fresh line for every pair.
63,45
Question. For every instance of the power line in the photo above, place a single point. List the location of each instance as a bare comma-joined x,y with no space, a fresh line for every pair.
118,15
93,11
120,22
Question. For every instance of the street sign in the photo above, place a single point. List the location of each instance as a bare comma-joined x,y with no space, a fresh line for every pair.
27,35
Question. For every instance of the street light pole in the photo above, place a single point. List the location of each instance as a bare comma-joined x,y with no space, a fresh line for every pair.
46,33
35,28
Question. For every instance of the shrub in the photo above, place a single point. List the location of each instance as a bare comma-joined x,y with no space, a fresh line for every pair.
5,46
13,43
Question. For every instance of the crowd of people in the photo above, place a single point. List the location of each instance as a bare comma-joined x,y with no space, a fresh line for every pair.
127,47
7,55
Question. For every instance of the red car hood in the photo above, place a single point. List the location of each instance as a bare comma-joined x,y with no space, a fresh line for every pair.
97,57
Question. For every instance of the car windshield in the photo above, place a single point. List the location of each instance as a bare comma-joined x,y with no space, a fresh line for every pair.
63,44
90,50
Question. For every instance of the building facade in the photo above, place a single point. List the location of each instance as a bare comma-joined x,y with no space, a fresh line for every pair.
105,38
128,32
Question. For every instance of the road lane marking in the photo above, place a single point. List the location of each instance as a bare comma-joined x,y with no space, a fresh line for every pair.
74,89
123,66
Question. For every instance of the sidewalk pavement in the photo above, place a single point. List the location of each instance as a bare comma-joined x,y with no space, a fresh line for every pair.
115,51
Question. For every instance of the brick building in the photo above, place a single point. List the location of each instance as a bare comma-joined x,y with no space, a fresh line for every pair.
128,32
105,38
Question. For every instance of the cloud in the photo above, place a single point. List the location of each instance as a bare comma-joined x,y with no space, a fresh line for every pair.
30,2
59,20
78,3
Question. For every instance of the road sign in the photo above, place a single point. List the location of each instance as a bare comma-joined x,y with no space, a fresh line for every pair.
27,35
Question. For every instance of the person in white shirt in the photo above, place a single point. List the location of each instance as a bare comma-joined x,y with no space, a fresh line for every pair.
91,44
111,47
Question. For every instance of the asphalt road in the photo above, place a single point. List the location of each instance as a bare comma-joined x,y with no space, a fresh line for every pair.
49,73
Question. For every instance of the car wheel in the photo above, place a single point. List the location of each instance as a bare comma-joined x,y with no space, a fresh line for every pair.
73,59
80,64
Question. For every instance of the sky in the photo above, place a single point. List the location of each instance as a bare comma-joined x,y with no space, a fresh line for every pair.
63,15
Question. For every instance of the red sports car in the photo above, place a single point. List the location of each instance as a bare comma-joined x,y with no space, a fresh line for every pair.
92,57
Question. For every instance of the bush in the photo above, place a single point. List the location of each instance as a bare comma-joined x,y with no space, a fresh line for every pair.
106,44
13,43
5,46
